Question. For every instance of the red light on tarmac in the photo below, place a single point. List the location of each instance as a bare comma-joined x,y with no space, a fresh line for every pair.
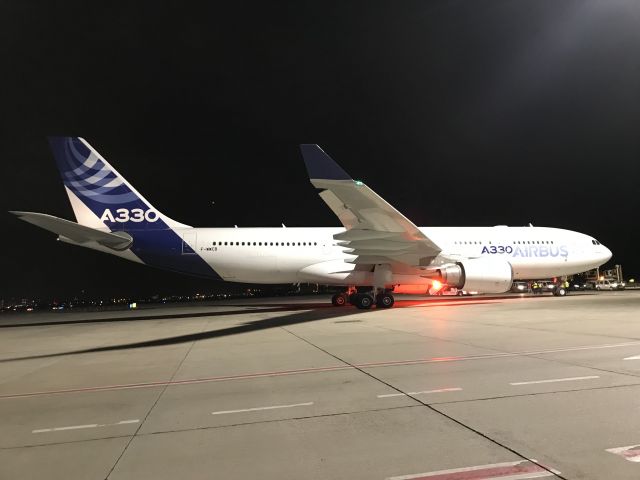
437,285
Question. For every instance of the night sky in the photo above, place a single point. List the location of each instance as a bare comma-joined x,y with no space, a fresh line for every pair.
456,112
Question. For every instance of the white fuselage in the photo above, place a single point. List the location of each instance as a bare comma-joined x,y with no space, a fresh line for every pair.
291,255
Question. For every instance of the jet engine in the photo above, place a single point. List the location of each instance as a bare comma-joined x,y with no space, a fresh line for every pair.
487,275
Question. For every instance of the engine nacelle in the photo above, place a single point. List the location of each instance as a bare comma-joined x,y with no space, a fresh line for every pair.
485,275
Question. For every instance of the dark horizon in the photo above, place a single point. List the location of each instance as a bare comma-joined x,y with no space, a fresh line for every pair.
458,114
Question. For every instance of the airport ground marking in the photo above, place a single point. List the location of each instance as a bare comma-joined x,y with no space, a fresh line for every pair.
82,427
249,376
555,380
439,390
635,357
256,409
520,470
630,453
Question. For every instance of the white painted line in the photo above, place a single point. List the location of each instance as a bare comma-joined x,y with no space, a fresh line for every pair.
553,380
520,470
630,453
125,422
80,427
255,409
440,390
635,357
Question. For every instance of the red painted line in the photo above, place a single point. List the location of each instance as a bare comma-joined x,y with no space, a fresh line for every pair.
279,373
126,386
488,473
631,453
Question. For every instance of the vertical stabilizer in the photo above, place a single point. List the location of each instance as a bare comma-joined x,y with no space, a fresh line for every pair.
99,195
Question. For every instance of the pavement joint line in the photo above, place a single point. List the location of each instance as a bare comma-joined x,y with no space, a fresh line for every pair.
520,327
212,427
345,366
555,380
126,447
433,409
308,417
80,427
257,409
439,390
538,354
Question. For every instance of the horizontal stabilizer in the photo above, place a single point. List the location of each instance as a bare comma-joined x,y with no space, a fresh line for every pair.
78,233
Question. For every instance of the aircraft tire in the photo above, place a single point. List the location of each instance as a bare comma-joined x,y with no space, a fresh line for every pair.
385,300
339,300
560,292
363,301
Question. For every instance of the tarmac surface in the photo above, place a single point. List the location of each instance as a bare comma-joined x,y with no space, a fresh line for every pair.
508,387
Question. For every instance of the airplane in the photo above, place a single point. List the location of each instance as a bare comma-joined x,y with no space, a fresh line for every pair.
376,250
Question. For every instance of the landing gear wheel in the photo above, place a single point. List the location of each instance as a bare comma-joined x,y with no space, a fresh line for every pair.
363,301
560,292
339,300
385,300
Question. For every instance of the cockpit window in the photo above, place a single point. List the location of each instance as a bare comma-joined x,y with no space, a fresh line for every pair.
595,242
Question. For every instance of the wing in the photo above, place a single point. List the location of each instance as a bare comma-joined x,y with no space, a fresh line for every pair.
375,231
78,233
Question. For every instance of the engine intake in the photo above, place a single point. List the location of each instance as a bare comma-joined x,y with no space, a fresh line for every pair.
479,274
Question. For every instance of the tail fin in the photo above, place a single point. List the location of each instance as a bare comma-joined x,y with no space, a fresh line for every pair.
99,195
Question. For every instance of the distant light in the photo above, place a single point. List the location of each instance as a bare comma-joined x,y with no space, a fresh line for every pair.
632,280
359,183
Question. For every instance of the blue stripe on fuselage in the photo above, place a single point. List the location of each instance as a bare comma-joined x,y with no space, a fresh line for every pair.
164,249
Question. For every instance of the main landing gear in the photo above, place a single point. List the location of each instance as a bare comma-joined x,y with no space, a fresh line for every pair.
364,301
379,294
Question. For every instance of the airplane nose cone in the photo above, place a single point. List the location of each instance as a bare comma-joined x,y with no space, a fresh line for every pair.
606,254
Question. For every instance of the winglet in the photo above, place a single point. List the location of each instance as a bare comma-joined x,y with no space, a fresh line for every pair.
320,165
